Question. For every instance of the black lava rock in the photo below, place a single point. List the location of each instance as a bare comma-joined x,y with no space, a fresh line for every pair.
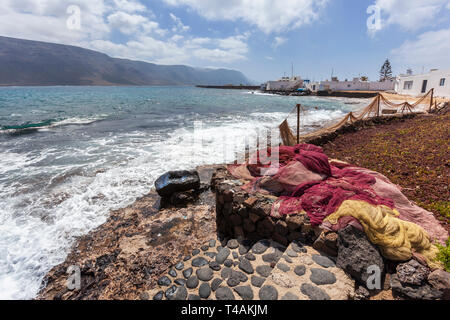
177,181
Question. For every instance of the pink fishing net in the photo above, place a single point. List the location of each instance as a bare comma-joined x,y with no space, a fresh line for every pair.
307,182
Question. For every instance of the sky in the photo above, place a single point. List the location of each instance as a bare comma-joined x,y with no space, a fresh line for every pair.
261,38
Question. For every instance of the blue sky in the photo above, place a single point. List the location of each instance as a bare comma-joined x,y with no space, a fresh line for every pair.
261,38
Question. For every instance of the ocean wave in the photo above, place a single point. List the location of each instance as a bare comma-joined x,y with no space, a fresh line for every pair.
47,124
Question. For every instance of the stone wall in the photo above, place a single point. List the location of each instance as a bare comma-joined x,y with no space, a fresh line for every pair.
245,216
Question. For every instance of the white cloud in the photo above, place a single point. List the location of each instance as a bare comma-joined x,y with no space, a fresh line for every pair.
45,20
430,50
179,26
278,41
129,6
176,50
269,16
133,23
409,14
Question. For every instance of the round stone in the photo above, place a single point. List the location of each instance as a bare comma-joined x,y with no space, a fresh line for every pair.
205,274
232,282
212,243
159,295
187,258
164,281
246,266
298,247
313,292
283,267
322,276
240,276
144,296
222,255
323,261
180,294
195,252
188,273
212,255
235,255
233,244
204,248
194,297
216,283
224,293
226,273
192,282
180,282
268,293
243,250
228,263
271,257
257,281
170,293
245,292
204,291
290,296
287,259
214,265
264,271
250,256
199,262
291,253
260,247
179,266
300,270
173,273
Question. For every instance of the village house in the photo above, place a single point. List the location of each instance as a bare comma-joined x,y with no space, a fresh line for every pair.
416,85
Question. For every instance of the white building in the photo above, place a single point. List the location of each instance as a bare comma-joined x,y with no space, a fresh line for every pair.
285,83
355,85
416,85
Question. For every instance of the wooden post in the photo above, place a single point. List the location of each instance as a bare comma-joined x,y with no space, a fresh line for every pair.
431,100
378,108
298,123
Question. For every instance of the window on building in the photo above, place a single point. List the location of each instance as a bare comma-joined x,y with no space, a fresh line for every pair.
408,85
442,82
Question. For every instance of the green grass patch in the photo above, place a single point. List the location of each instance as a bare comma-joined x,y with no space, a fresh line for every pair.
444,254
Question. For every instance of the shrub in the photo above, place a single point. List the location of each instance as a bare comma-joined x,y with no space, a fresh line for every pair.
444,254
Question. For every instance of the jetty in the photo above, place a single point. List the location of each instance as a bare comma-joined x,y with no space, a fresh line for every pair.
230,87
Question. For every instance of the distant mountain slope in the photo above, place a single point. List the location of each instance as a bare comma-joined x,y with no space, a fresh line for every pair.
28,63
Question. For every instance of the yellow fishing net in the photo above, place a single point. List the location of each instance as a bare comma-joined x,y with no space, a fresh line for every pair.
397,239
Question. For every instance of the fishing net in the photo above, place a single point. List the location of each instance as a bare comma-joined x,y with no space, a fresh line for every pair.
334,194
375,108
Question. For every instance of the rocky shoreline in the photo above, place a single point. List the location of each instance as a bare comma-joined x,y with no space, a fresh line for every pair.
158,250
126,255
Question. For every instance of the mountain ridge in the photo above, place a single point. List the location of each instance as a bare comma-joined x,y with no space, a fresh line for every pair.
35,63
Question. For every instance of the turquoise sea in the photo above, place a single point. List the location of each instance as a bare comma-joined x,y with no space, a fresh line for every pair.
68,155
